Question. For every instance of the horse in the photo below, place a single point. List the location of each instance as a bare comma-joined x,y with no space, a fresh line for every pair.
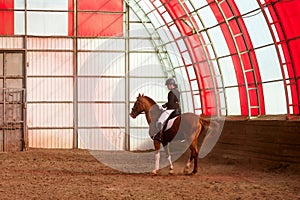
186,127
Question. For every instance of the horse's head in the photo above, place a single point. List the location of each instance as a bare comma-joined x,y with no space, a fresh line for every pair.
138,107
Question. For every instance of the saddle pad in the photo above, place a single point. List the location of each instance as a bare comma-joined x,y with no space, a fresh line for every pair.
170,123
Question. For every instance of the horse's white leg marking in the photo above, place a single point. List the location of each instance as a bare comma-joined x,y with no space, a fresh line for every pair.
188,165
157,157
169,157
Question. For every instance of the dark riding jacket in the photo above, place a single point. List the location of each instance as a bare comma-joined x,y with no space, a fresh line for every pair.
173,101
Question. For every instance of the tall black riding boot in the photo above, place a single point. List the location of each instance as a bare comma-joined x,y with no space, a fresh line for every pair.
159,135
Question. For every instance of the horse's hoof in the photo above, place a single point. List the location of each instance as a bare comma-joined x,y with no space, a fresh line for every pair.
186,171
194,172
154,172
171,172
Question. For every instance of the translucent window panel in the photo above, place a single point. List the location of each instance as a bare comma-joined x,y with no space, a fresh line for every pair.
197,101
268,63
228,71
145,64
199,3
50,89
47,23
187,58
155,18
186,102
101,114
101,89
189,6
153,87
175,32
211,53
102,44
50,115
174,55
46,4
208,17
50,63
182,77
19,23
19,4
101,63
274,97
165,34
258,30
219,41
246,6
198,22
133,16
232,98
191,72
215,69
222,102
181,45
146,5
138,30
141,45
167,17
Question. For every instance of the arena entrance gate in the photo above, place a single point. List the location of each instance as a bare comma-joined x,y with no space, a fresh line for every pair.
12,101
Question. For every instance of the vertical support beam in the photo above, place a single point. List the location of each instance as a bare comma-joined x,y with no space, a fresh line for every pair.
26,64
127,83
75,80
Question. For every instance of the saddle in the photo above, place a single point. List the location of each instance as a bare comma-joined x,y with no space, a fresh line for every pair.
169,122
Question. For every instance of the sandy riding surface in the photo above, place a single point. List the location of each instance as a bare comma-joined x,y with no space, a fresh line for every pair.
75,174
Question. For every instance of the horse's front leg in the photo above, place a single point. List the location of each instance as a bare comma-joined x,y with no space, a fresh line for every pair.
169,158
157,156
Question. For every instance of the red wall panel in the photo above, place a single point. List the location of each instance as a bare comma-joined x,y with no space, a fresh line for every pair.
247,61
97,18
285,17
204,74
6,17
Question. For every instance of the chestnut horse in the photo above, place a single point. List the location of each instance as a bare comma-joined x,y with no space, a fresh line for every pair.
187,126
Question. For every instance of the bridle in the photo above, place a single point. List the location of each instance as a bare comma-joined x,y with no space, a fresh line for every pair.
133,111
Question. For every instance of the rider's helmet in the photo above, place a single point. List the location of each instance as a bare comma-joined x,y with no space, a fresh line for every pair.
170,81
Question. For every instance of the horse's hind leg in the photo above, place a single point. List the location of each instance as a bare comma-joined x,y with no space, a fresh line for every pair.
188,164
195,155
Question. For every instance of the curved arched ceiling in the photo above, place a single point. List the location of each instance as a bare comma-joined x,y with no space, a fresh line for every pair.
240,57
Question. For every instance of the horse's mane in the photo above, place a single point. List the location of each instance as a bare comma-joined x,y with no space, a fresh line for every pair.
150,100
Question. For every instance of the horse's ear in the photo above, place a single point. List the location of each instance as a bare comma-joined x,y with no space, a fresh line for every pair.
139,94
142,95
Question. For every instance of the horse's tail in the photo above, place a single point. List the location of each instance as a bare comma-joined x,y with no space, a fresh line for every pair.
212,133
208,124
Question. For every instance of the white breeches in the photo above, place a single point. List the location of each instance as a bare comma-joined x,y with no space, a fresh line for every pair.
163,117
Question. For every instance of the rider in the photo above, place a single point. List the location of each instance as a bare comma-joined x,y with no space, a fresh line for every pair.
172,106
